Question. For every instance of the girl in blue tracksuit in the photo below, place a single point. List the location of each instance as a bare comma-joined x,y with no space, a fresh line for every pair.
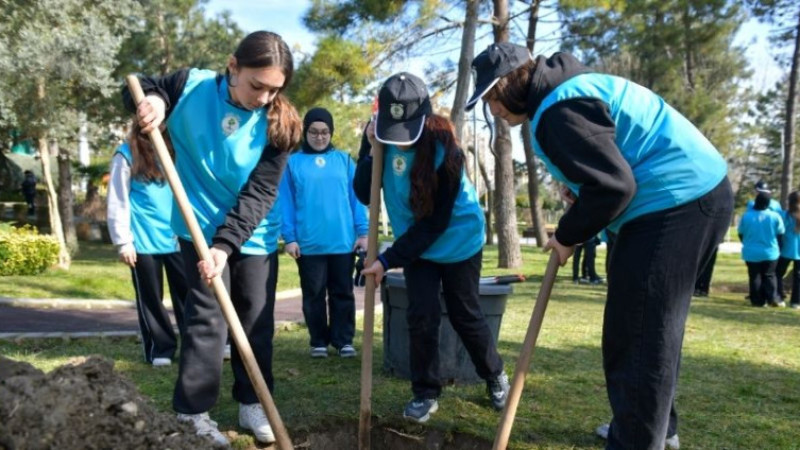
790,249
323,224
439,229
760,230
139,212
633,165
232,133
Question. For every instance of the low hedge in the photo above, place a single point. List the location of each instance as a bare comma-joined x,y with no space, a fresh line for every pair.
23,251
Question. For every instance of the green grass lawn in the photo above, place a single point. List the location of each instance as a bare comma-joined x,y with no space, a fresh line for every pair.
96,273
738,388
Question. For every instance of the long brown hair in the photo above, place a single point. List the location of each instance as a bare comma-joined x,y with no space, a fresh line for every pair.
512,90
424,182
267,49
145,167
793,203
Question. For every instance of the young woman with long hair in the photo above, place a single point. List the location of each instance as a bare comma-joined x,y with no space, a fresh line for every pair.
232,134
439,228
139,211
637,167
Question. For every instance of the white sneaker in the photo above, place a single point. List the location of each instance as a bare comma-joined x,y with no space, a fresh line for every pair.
161,362
671,443
602,430
252,417
204,427
319,352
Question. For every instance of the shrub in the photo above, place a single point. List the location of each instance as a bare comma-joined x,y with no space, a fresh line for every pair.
23,251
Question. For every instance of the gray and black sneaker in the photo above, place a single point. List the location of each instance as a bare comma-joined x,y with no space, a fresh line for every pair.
420,409
348,351
497,388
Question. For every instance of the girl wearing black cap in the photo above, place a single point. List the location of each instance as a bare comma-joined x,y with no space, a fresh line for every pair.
633,165
232,134
439,229
323,223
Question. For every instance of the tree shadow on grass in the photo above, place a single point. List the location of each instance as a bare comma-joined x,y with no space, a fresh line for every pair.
723,404
740,311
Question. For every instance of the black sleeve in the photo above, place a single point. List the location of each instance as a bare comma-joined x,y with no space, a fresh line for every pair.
423,233
578,137
254,202
362,180
169,88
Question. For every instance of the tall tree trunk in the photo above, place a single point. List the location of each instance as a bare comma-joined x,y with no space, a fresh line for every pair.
537,218
505,207
489,216
52,199
65,199
464,62
688,50
163,42
788,128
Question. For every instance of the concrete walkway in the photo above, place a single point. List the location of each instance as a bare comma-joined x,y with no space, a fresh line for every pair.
70,318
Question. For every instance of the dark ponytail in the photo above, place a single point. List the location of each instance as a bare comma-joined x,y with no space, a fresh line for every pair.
285,128
267,49
424,181
145,167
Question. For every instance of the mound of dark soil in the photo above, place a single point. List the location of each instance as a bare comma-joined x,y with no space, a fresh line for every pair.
83,405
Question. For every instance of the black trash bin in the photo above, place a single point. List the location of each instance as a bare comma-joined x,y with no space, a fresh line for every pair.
455,364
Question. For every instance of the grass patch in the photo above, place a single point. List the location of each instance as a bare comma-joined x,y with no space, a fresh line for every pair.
738,387
96,273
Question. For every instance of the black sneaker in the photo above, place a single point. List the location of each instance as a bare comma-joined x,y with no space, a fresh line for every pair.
420,409
497,388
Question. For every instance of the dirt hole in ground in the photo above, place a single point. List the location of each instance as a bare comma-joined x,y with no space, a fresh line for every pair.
86,405
387,438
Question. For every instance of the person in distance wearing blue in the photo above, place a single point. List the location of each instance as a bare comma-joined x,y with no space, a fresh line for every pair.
323,224
139,210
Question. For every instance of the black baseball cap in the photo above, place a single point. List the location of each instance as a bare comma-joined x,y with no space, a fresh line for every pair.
403,105
497,61
762,187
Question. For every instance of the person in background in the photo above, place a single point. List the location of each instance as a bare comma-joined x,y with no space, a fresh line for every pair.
703,284
439,228
790,249
761,187
29,191
577,266
139,213
760,230
324,224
